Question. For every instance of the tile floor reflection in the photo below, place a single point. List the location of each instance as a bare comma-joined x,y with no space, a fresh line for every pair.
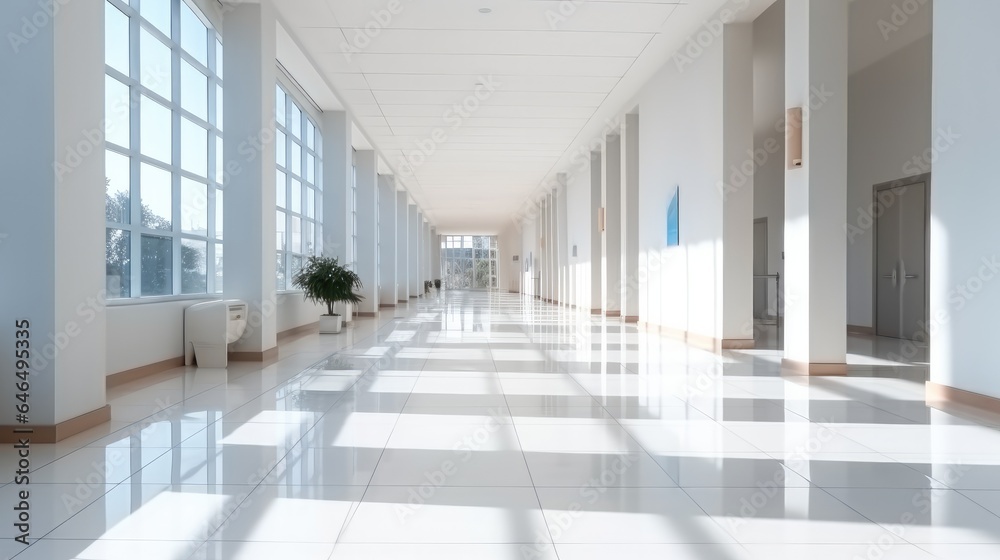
490,426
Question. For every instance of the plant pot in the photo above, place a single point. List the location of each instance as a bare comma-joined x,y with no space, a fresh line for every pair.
330,324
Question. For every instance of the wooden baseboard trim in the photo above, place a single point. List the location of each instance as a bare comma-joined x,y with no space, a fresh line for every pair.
857,329
613,313
631,319
413,297
264,356
942,395
796,367
702,341
60,431
298,331
386,305
738,343
129,375
368,314
596,311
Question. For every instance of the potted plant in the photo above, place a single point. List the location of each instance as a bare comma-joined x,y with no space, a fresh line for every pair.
323,280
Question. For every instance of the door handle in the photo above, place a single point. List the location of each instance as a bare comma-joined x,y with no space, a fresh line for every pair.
893,276
911,276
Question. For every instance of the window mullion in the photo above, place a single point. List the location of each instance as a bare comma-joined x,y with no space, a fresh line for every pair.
175,149
135,187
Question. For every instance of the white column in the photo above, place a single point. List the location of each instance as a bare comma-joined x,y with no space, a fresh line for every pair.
435,251
387,224
554,225
611,178
337,177
546,250
426,246
596,237
402,247
52,234
562,233
367,257
734,324
965,259
816,194
416,288
630,219
249,212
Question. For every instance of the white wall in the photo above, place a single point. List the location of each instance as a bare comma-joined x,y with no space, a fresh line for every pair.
965,287
294,311
578,234
680,144
888,126
508,245
144,334
769,135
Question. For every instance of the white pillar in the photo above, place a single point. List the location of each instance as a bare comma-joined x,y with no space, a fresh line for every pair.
964,280
52,225
554,246
416,288
630,219
337,178
562,246
435,253
387,224
816,194
367,257
426,255
734,324
249,212
611,180
596,236
402,247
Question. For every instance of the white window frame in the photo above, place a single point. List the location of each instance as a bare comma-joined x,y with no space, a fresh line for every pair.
286,256
137,91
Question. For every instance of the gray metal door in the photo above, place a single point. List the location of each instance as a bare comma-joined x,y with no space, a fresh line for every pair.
901,261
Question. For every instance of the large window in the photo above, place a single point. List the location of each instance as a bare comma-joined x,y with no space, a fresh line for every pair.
298,187
469,261
163,101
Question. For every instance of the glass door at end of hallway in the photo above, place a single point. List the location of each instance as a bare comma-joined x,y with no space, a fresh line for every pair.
469,262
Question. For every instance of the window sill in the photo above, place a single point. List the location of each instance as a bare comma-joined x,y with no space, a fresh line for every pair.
125,302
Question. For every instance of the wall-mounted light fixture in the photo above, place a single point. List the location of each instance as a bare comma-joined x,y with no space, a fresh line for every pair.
793,137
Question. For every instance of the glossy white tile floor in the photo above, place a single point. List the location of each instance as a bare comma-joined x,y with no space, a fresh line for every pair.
487,426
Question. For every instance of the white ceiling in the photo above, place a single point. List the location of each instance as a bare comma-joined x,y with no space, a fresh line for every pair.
557,82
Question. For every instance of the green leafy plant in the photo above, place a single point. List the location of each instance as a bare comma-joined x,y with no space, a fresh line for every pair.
326,281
